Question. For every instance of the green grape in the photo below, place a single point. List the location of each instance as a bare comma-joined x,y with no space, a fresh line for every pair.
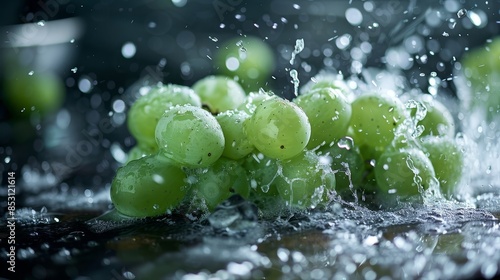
148,186
278,128
328,112
252,100
219,93
437,121
148,109
138,152
305,181
447,159
190,136
346,159
237,145
248,58
26,94
375,117
404,172
328,80
221,180
262,172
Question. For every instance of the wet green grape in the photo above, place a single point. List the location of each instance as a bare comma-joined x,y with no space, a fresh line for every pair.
237,145
219,93
148,186
221,180
447,159
404,172
278,128
328,112
148,109
190,136
375,117
305,181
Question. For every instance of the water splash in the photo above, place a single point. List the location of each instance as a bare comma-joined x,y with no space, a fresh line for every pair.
299,46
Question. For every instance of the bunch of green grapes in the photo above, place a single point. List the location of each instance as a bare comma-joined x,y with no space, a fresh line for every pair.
197,146
392,146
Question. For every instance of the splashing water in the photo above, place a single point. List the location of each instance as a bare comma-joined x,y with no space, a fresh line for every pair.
299,46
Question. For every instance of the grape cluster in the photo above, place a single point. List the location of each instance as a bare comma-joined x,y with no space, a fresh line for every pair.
198,145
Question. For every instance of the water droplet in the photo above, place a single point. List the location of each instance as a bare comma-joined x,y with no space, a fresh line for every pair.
41,23
461,13
264,188
475,18
128,50
74,69
157,178
346,143
214,39
85,85
128,275
232,63
283,254
179,4
353,16
156,206
31,73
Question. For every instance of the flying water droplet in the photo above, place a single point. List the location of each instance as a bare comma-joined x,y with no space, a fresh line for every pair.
299,46
461,13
